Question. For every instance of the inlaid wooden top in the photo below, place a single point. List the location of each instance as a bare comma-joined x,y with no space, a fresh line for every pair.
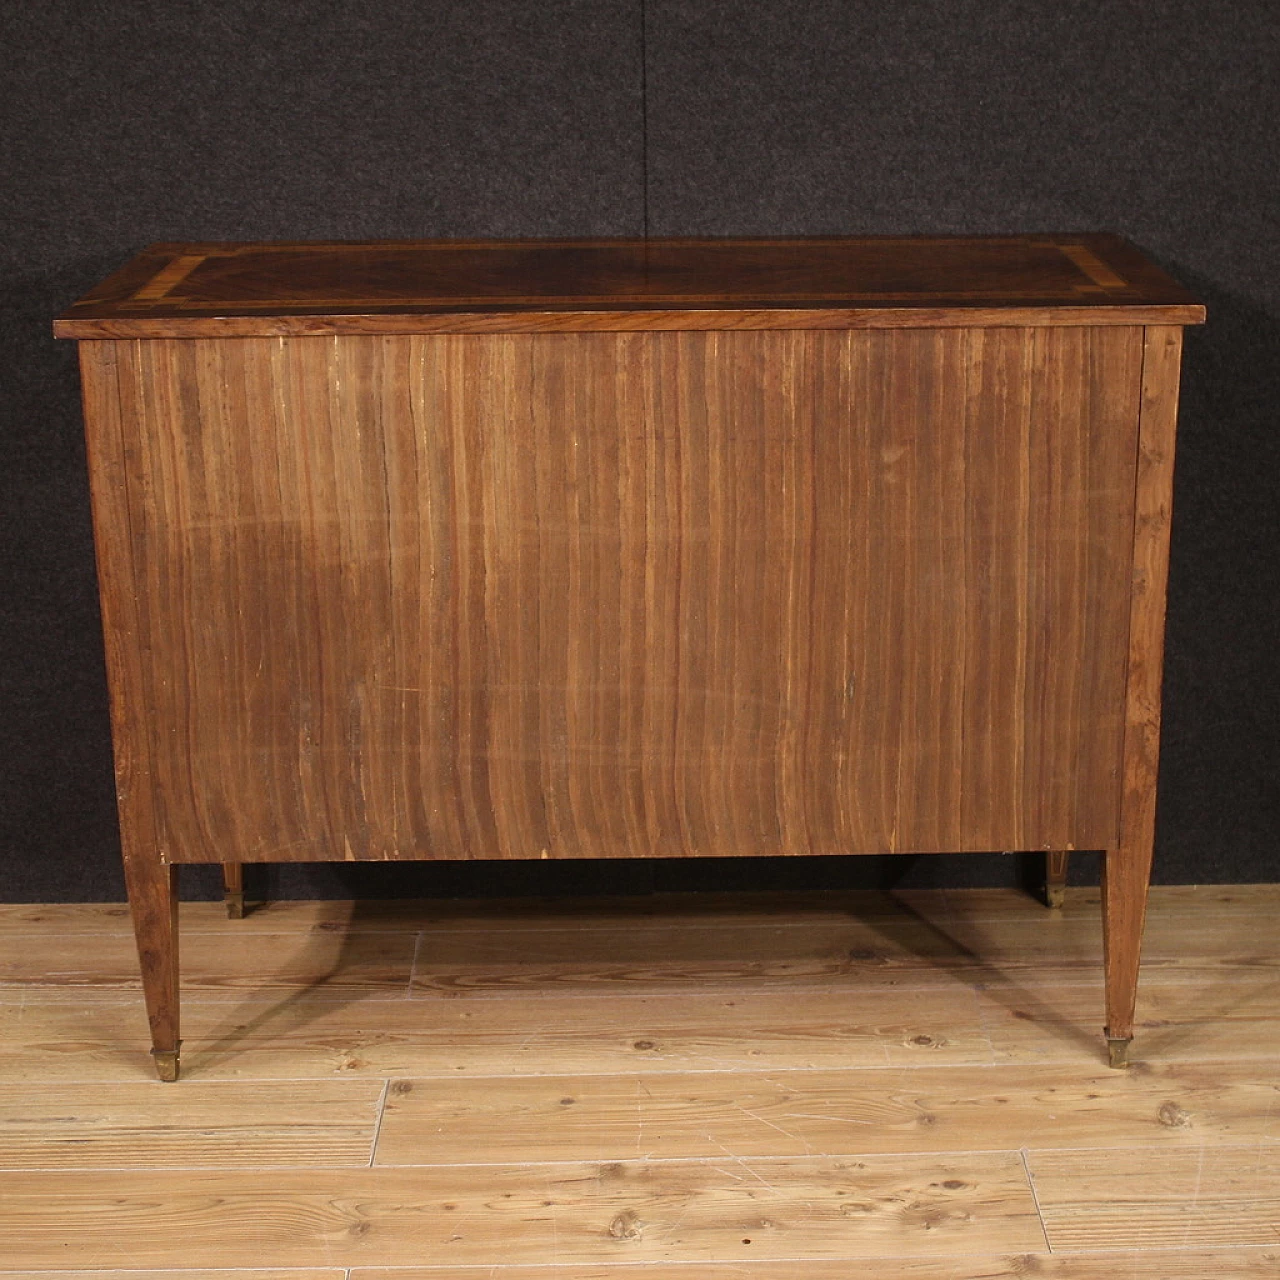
433,286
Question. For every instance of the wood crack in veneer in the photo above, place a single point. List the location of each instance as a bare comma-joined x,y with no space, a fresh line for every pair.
668,548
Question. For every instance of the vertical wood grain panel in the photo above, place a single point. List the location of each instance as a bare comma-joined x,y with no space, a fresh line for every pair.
922,526
110,416
996,429
577,595
1051,430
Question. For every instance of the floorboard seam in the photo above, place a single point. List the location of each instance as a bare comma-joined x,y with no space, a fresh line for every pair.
377,1124
1035,1198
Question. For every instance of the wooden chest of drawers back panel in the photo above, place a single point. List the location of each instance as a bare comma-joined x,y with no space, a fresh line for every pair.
646,594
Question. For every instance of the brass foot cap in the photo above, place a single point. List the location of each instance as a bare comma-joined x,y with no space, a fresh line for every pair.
1118,1052
166,1061
235,906
1055,896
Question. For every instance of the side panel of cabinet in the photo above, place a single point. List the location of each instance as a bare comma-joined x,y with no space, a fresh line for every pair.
652,594
113,425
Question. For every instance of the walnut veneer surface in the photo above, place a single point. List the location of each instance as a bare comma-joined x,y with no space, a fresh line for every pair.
606,549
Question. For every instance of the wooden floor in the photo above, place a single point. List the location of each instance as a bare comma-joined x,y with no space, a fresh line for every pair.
800,1087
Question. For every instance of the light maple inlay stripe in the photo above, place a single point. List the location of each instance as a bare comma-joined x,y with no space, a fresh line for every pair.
165,281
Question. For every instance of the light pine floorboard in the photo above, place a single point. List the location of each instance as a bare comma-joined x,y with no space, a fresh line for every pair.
201,1273
521,1035
789,1087
1166,1199
1195,1264
1180,1264
930,1109
313,965
143,1124
620,1211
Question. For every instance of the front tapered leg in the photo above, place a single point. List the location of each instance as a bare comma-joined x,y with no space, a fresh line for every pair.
1126,871
1125,875
153,903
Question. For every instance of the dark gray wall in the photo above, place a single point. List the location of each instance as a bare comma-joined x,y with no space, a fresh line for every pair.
126,122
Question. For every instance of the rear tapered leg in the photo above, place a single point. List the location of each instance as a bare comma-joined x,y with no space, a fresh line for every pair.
153,903
1055,878
233,889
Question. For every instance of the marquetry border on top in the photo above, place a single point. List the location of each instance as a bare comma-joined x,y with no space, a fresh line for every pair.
457,286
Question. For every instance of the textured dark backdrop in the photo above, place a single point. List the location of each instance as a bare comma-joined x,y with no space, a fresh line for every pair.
127,122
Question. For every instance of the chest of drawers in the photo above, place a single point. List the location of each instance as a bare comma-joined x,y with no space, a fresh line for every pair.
616,549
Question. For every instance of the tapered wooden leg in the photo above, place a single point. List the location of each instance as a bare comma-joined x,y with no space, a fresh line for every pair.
1126,870
153,902
1125,874
1055,878
233,889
